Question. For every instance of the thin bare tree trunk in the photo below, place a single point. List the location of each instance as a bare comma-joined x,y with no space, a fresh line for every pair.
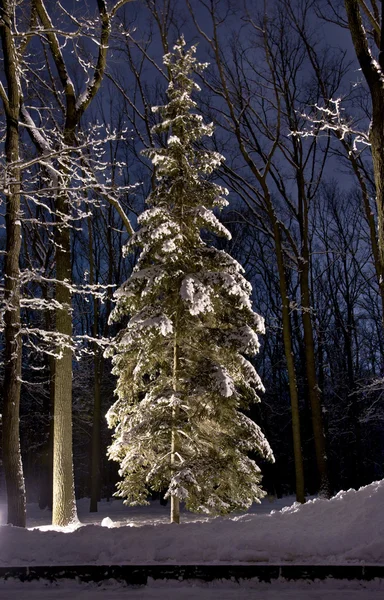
288,350
97,376
313,387
46,483
314,391
310,360
96,432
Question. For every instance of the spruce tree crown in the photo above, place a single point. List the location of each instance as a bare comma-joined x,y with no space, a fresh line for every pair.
183,381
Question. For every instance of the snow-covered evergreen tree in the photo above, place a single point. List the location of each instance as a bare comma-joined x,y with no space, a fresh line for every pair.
183,382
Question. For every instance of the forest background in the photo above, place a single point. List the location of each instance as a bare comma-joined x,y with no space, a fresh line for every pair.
292,111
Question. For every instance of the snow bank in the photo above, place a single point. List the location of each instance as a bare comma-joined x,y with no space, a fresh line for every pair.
349,528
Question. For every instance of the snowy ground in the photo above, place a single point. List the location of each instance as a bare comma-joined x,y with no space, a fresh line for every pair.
280,590
154,514
348,529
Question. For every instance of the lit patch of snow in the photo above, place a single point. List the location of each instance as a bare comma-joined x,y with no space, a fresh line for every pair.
209,220
173,140
107,522
67,529
223,381
161,322
196,294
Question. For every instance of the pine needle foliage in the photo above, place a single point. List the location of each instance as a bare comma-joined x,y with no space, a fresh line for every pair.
183,381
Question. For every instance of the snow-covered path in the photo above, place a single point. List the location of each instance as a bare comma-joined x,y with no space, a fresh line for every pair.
328,590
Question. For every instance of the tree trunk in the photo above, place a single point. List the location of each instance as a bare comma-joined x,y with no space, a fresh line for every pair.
175,502
46,483
369,215
13,467
313,388
306,307
96,431
45,488
353,406
377,145
373,78
97,377
377,142
64,503
288,350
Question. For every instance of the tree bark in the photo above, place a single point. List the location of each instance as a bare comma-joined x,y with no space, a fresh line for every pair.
46,483
97,366
64,504
12,329
175,502
96,432
377,145
314,391
313,387
288,350
373,78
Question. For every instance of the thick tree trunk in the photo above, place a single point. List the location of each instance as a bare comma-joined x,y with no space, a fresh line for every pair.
370,217
64,504
12,331
373,78
12,357
377,142
377,145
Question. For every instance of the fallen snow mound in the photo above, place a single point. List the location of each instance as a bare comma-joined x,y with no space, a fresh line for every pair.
349,528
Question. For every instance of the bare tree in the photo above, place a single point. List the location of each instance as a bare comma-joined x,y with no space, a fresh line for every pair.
12,98
260,88
366,46
73,108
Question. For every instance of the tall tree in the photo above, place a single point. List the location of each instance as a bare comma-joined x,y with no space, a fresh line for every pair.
358,11
183,382
12,330
73,106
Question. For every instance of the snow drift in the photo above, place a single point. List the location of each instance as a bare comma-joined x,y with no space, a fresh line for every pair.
349,528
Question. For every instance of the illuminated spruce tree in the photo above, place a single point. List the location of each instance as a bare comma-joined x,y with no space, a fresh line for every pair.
183,381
